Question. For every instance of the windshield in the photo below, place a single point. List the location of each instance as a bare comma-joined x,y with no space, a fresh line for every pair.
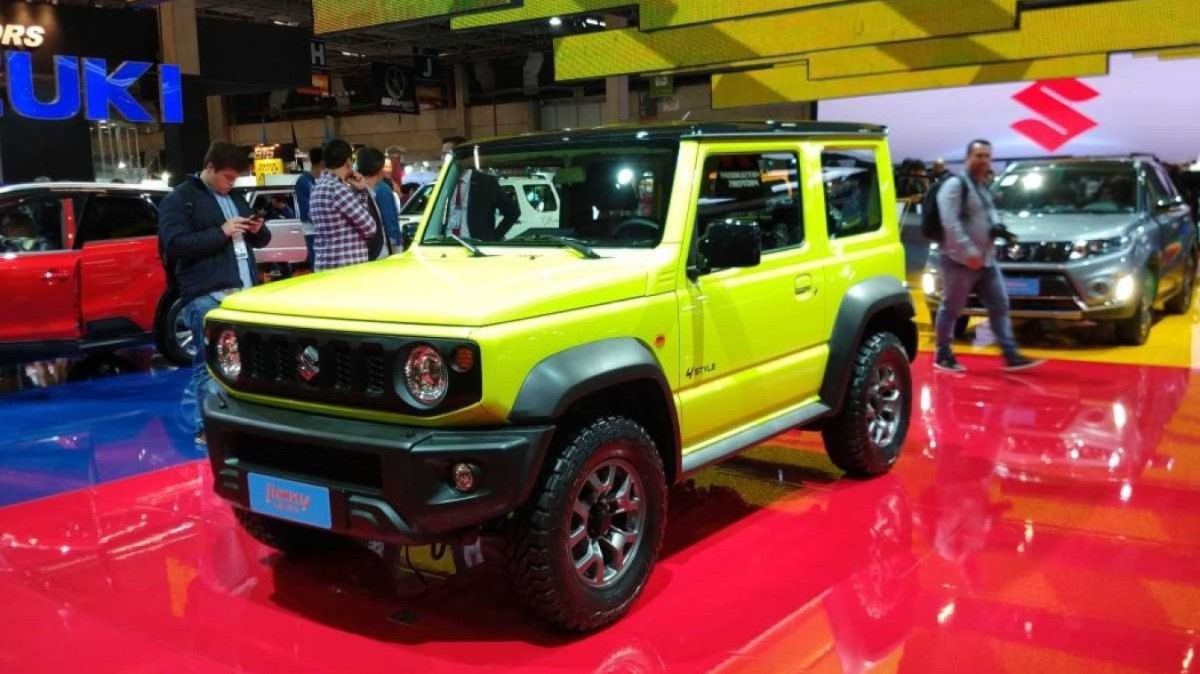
1068,189
603,195
416,203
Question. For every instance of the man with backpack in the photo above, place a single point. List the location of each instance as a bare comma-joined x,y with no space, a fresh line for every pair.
208,239
960,215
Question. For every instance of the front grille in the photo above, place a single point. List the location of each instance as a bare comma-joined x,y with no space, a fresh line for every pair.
352,370
1039,251
311,461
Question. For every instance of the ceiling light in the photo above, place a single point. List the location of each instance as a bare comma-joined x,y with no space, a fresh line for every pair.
555,21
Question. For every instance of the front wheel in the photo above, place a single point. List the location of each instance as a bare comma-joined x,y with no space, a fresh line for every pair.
173,336
865,438
1135,330
583,548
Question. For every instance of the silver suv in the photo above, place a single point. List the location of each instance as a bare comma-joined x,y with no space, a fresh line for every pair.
1096,239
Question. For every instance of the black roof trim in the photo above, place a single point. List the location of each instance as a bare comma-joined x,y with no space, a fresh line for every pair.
676,131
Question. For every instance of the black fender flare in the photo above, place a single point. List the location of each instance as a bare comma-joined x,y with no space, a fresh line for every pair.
563,379
861,303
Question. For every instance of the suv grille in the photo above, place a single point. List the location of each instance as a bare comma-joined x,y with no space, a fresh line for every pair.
349,369
1054,252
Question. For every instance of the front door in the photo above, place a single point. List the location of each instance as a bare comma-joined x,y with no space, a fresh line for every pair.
38,274
753,338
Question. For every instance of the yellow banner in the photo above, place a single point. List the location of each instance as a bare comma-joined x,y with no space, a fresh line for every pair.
332,16
534,10
652,14
1119,25
629,51
791,83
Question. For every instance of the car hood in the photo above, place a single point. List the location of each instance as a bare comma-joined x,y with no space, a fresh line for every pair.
1068,226
452,289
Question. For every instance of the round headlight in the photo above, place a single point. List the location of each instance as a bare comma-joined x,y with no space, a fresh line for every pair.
229,361
425,375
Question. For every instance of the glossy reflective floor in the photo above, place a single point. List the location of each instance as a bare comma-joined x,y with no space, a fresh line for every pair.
1048,522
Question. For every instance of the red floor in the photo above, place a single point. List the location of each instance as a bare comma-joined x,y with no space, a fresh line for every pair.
1042,523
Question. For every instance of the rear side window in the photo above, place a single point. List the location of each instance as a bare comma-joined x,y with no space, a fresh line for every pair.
852,201
762,187
107,217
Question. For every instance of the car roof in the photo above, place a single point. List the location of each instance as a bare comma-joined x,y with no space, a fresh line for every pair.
676,131
29,188
1091,162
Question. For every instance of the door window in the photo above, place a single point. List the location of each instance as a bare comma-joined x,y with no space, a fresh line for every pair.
267,207
852,202
32,225
109,217
541,197
761,187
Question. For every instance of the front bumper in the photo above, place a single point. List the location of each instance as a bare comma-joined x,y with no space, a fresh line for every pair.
1065,292
386,482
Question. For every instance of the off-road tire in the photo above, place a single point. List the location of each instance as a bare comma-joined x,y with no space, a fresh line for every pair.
1182,301
1135,330
847,437
164,332
285,536
540,563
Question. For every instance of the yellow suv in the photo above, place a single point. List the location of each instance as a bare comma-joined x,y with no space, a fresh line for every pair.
688,291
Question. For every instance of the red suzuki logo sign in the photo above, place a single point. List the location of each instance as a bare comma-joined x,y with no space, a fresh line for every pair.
1060,123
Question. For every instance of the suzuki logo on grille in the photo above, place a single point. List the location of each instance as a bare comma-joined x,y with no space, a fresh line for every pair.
308,363
1060,123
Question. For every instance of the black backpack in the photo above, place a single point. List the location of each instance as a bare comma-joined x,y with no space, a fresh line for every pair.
931,215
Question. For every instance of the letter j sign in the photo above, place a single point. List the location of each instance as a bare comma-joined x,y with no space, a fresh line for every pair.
98,91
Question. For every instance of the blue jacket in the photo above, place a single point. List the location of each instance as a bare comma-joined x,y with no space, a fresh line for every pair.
304,188
387,209
199,257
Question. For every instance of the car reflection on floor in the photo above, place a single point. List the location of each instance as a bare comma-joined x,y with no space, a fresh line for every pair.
1008,537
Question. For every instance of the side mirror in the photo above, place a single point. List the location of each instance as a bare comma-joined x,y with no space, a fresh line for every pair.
1167,205
731,243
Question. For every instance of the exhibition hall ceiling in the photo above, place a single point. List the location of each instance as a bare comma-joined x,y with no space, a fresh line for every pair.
771,51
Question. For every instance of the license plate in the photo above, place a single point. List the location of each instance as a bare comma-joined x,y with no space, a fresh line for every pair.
1023,287
285,499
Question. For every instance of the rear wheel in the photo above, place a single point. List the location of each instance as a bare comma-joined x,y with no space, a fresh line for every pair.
172,335
1135,330
583,548
865,438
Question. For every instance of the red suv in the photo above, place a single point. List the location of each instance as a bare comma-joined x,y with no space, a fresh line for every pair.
81,272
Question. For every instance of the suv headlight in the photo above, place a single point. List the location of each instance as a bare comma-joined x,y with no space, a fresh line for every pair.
425,376
229,360
1096,247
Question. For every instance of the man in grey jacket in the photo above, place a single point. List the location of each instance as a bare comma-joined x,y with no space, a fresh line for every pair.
968,260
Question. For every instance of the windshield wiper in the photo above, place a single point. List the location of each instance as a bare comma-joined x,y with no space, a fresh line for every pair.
469,244
566,241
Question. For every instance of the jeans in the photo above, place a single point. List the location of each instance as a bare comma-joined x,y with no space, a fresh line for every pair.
310,240
202,384
957,283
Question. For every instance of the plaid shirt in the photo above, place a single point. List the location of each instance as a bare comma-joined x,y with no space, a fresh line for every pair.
343,223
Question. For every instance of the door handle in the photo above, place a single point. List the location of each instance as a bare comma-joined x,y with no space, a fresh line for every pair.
804,285
55,276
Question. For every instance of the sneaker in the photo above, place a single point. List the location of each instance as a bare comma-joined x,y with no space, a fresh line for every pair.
201,440
1018,363
948,363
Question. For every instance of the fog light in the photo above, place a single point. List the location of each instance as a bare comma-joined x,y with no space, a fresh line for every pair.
464,477
928,283
1101,289
1125,288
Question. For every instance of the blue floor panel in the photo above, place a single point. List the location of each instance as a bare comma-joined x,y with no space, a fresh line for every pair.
72,436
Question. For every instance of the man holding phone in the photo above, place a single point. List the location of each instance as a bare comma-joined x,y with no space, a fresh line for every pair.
207,238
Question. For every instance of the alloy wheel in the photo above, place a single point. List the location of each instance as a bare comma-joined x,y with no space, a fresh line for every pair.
605,524
884,403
